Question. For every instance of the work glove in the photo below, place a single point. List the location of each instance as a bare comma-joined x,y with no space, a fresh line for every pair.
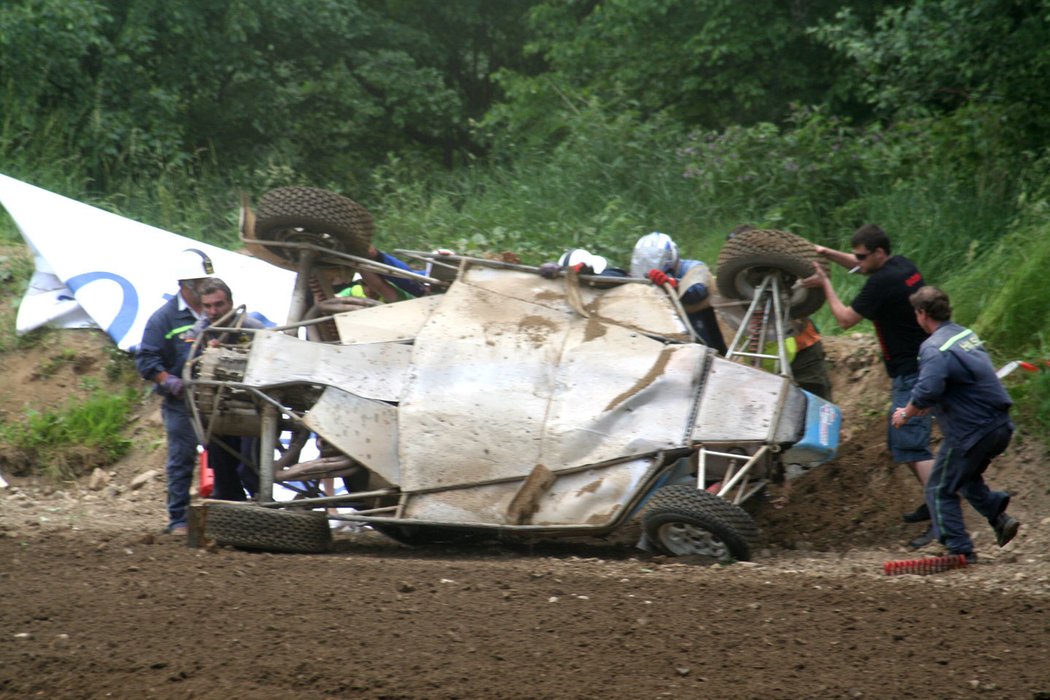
173,386
550,270
660,278
582,269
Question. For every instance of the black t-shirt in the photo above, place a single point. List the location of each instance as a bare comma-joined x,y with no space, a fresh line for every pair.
884,301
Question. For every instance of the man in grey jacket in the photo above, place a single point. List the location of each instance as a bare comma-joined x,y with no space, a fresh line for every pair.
958,382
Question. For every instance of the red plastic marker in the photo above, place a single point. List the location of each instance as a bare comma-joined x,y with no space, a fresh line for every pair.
924,566
207,477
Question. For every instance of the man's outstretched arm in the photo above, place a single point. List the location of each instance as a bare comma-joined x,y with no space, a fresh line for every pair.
844,315
847,260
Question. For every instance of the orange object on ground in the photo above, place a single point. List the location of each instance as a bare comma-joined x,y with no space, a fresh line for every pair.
207,477
926,565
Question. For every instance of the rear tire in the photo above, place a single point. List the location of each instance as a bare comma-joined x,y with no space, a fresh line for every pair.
748,257
248,526
311,215
683,521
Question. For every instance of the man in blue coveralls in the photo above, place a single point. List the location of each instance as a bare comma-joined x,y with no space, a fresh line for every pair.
958,382
166,344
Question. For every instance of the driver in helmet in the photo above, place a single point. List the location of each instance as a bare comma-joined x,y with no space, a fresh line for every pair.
656,256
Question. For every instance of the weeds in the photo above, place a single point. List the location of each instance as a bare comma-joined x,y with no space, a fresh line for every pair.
120,366
48,368
1032,397
15,271
10,342
71,440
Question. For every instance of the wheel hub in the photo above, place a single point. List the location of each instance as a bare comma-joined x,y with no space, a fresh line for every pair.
682,539
300,235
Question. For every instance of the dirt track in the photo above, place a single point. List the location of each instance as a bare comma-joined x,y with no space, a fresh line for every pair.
93,604
90,615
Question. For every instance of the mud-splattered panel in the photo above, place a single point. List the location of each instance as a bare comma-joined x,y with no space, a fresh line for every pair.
365,430
477,397
590,498
388,323
375,371
637,306
739,403
641,307
619,393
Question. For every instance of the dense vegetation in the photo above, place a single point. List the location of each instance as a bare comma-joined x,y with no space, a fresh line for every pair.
534,125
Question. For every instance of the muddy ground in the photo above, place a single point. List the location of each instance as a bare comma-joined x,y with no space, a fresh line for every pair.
95,603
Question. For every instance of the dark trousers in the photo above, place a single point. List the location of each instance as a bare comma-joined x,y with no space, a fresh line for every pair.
182,457
811,372
232,476
706,324
958,473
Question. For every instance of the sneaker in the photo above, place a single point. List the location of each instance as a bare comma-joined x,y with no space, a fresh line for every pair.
971,557
177,529
920,514
922,540
1006,527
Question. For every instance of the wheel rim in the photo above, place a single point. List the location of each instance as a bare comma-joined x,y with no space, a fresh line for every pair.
301,235
682,539
748,282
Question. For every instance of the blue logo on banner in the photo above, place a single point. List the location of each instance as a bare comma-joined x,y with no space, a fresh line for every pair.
129,307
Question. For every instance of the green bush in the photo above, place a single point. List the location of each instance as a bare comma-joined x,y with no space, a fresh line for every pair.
71,440
611,179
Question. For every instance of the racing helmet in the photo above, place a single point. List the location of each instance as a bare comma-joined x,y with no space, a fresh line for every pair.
574,256
193,264
653,251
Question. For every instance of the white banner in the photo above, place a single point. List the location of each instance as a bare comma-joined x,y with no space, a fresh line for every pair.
98,268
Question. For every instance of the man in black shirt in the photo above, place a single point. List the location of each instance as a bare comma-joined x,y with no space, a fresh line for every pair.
884,301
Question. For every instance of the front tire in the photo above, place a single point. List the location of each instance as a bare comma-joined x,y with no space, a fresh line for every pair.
249,526
683,521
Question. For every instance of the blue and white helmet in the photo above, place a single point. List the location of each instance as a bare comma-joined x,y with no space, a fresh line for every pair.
653,251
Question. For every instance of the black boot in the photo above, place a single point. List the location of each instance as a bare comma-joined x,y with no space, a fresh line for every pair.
1006,527
920,514
923,539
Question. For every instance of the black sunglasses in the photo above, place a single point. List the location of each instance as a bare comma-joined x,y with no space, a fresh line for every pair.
861,256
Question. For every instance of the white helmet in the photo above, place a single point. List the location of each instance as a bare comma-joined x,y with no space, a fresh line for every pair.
580,255
192,264
653,251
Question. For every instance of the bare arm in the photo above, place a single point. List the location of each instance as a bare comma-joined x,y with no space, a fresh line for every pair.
845,315
837,256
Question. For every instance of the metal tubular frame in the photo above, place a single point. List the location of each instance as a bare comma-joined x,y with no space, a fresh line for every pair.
767,302
733,477
326,254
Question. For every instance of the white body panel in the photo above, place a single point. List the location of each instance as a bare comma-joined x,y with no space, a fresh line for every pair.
365,429
375,371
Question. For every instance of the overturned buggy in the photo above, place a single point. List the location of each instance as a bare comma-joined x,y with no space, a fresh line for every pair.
510,405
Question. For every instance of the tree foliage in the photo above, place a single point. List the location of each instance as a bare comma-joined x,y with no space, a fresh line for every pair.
942,54
935,57
707,63
326,86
